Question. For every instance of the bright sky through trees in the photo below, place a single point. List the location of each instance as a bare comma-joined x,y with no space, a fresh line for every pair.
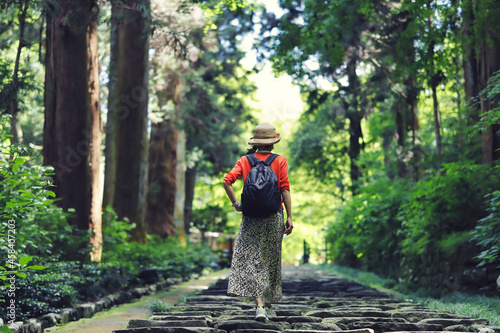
277,97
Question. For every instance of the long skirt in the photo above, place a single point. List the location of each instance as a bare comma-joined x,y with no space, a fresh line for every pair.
256,264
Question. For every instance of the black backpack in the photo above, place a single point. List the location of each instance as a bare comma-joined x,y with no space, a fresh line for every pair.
261,196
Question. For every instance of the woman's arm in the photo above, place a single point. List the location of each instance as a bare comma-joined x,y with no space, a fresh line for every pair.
230,193
287,200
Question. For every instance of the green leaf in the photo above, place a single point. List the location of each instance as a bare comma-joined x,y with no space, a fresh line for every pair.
36,267
19,161
15,167
21,274
50,193
24,260
5,329
3,268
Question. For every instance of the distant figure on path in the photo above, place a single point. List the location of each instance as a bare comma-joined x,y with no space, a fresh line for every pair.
256,264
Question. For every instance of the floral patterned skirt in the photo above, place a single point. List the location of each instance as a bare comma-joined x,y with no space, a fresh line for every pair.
256,264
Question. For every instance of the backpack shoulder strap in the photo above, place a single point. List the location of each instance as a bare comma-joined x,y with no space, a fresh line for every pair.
252,159
270,159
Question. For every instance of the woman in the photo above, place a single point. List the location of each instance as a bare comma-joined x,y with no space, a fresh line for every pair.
256,264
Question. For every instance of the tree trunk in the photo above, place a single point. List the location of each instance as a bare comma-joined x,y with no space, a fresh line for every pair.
162,179
488,64
416,170
470,61
127,153
180,194
482,48
401,128
72,128
437,122
15,129
112,119
188,203
355,117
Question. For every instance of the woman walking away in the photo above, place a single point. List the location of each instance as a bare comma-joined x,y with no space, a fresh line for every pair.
256,264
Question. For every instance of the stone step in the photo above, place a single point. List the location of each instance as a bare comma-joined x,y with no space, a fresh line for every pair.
170,330
135,323
311,303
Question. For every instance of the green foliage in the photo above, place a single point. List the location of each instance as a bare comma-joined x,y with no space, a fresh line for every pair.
321,31
17,268
115,234
24,183
487,231
41,228
492,95
366,231
210,192
437,220
215,104
419,233
163,257
320,147
65,283
210,218
157,307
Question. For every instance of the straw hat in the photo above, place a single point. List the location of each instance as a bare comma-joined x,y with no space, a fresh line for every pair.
264,134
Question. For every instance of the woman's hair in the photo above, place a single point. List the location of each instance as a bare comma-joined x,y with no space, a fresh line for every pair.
255,149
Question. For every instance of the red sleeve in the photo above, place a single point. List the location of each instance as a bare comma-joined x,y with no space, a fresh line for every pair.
284,184
235,173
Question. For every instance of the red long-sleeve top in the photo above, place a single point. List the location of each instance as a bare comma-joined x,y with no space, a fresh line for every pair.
242,168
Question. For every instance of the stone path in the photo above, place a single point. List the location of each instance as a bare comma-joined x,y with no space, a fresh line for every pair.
312,302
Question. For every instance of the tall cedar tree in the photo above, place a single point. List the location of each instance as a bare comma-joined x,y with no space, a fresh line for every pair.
163,162
14,104
72,129
126,140
482,60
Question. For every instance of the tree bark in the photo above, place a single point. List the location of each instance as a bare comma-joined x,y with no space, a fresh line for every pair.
488,64
482,61
188,203
112,119
470,61
417,170
437,121
127,153
72,128
179,193
14,105
434,80
162,179
355,117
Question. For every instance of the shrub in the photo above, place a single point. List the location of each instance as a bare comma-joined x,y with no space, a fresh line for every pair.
157,307
437,221
420,233
486,234
367,232
161,257
41,226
